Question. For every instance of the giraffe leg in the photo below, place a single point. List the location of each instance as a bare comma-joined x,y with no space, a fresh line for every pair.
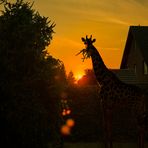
107,123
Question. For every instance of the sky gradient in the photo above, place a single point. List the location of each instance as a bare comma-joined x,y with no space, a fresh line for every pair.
107,20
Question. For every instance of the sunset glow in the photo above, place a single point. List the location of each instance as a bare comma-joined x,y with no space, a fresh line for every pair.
78,76
108,21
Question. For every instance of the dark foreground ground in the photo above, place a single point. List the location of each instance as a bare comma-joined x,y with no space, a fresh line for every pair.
100,145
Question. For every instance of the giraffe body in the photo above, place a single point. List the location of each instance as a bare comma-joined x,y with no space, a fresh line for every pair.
115,94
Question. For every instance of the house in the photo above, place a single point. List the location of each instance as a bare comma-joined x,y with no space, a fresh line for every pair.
135,56
126,75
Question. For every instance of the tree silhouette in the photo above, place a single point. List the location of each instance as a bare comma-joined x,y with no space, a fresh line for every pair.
28,85
71,79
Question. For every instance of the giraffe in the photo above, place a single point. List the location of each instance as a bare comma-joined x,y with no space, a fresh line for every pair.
115,94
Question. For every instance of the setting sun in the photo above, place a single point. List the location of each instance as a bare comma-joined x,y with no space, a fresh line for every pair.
78,76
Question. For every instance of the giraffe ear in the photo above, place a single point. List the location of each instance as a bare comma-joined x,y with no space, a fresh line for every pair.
93,40
83,39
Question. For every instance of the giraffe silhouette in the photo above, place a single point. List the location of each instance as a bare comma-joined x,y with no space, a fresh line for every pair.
115,94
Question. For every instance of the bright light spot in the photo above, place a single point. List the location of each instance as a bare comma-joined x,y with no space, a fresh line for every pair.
64,112
65,130
68,111
78,76
70,122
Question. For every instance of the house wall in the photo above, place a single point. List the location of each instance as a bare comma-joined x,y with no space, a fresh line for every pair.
135,61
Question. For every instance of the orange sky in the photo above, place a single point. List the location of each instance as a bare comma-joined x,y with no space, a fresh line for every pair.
107,20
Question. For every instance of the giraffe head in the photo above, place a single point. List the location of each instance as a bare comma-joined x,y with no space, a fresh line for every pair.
89,44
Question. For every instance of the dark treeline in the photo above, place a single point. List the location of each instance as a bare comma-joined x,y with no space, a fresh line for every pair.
31,81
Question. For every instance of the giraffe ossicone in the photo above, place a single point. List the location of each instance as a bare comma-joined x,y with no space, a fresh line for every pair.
88,40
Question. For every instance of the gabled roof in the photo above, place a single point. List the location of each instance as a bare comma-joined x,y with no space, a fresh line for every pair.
140,35
126,75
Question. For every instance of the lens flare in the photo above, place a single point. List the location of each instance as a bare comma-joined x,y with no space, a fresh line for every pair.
64,112
68,111
70,122
65,130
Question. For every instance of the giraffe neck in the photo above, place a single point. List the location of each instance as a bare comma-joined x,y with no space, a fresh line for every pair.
101,71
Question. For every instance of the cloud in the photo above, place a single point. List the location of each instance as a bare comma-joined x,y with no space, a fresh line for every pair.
115,11
143,2
117,21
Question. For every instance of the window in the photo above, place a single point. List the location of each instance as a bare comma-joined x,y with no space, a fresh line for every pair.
145,68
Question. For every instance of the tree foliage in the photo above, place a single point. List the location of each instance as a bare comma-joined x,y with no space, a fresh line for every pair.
29,87
24,36
71,79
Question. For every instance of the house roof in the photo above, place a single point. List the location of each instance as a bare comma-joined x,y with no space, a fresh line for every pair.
140,35
126,75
